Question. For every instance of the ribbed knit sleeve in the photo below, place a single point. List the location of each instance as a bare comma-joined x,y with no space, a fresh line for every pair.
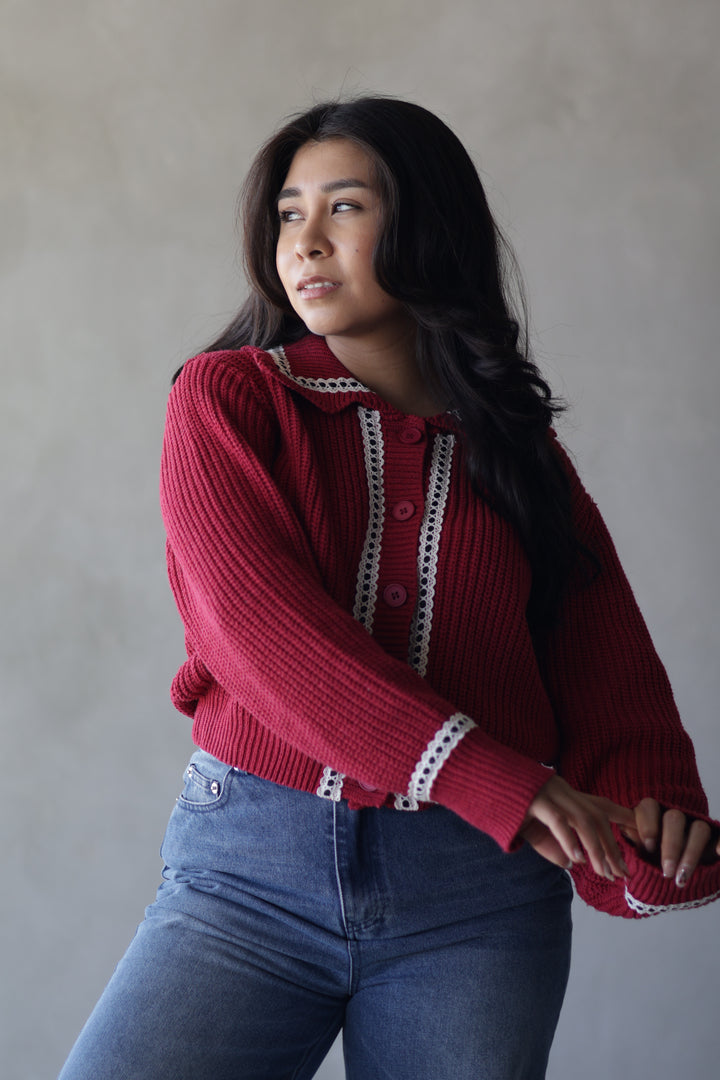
621,733
260,624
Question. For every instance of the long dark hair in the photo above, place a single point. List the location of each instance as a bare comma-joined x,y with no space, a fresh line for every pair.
441,253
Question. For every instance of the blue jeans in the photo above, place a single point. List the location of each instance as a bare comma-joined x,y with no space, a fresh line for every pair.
284,918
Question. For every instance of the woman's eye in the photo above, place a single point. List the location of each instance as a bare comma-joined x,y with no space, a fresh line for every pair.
342,206
289,215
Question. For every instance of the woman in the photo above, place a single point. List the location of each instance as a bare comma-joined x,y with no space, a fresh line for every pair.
420,684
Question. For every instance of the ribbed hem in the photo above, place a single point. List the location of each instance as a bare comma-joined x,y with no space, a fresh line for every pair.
254,749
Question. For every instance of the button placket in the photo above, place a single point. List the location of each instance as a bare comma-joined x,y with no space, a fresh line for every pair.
406,445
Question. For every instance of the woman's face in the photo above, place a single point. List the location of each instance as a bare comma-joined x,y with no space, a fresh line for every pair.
330,214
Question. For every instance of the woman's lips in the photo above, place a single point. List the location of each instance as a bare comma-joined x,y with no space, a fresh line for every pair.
312,288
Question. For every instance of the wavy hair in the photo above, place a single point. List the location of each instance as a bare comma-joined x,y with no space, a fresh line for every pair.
440,252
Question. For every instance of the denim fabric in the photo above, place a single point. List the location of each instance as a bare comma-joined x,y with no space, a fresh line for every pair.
284,917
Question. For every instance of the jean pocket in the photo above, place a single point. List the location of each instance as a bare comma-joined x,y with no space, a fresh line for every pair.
206,783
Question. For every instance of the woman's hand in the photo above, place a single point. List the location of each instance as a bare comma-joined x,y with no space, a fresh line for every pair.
680,841
566,827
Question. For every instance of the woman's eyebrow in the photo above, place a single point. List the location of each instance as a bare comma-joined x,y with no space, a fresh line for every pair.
332,185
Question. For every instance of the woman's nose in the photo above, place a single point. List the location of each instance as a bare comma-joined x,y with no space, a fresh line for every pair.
313,241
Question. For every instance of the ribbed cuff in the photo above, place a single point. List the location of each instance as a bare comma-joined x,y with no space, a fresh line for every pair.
490,786
645,891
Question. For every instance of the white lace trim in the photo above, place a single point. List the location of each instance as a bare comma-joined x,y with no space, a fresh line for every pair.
331,784
369,569
436,754
406,802
655,909
322,386
429,543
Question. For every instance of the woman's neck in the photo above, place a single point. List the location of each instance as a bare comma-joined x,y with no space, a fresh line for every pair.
390,369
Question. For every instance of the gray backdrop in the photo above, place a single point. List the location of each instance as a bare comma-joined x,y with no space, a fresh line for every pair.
127,126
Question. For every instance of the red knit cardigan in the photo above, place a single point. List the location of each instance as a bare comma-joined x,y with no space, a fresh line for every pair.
355,617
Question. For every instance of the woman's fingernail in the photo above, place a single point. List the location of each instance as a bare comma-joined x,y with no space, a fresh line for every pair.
578,855
624,868
668,868
650,844
608,871
681,878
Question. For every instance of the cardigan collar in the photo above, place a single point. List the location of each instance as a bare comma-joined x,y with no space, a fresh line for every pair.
310,368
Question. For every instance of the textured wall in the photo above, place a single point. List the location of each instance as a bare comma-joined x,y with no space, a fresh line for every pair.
126,129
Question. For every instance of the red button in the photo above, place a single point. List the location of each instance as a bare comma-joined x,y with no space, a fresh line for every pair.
411,435
367,787
394,595
403,510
